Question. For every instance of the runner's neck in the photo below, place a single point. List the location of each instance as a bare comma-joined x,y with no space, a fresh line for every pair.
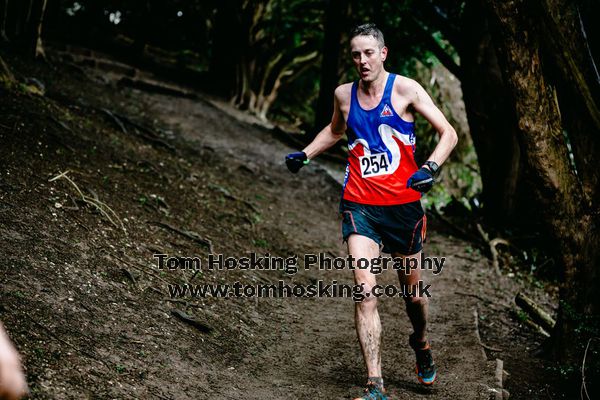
374,89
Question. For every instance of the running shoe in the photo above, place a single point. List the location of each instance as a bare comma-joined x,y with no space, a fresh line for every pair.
373,392
426,370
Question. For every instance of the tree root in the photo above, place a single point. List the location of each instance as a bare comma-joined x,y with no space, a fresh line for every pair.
227,194
194,236
191,321
492,244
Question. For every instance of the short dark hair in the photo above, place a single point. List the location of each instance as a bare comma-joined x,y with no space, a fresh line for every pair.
368,30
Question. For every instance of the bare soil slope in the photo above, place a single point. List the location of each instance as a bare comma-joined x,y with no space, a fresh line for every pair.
91,314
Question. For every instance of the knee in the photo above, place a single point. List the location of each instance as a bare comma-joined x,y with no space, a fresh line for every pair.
369,301
415,301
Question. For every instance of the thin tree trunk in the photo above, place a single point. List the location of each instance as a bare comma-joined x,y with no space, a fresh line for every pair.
36,19
3,19
6,75
334,22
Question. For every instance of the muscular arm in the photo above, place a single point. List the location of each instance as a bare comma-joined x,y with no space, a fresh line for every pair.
423,104
332,132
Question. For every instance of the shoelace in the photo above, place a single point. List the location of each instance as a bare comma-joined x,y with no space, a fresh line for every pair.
373,392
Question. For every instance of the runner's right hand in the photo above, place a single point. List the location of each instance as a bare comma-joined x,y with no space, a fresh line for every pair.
295,161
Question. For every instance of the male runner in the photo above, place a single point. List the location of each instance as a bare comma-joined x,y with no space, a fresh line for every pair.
383,187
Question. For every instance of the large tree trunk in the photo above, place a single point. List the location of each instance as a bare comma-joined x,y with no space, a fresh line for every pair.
491,118
567,214
577,79
490,115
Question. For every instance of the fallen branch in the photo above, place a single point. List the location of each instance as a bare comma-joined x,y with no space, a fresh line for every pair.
500,374
492,244
114,118
536,328
130,276
537,314
229,196
490,348
583,385
100,206
191,321
143,270
188,234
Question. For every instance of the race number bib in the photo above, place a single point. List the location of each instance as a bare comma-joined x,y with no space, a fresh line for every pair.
374,165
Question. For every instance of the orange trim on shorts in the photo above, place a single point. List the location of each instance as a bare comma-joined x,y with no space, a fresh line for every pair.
412,239
352,219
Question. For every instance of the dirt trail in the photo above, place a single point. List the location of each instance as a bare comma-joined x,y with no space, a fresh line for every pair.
317,355
90,312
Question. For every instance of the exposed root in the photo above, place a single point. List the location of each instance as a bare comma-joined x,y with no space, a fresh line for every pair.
188,234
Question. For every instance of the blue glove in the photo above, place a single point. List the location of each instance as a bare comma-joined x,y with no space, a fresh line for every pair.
295,161
421,180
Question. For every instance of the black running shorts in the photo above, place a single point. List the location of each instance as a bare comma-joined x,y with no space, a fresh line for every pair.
400,228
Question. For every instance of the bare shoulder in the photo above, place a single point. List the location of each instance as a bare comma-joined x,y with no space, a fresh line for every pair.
343,93
408,88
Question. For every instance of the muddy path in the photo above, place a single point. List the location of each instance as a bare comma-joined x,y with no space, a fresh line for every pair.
89,310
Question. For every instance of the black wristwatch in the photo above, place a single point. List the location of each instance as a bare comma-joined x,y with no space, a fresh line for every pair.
433,167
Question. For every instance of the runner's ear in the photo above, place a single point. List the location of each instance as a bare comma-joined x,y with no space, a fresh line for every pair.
384,51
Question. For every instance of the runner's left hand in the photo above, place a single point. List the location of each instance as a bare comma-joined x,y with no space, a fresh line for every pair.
421,181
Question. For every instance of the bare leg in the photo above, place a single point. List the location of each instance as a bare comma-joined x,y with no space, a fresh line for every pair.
416,307
368,325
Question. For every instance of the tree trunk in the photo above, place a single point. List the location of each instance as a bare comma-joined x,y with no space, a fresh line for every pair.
570,220
36,18
6,75
578,83
3,20
491,118
334,22
229,44
19,11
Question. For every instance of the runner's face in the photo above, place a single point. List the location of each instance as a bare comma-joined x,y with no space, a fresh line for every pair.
368,58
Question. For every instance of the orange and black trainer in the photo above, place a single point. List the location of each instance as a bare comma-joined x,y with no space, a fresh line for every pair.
426,370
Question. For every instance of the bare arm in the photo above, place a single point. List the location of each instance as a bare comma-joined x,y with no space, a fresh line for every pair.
12,379
423,104
331,133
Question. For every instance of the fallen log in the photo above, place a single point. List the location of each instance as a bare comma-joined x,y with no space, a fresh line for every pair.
537,314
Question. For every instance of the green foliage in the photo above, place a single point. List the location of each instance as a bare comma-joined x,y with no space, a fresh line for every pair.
261,243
